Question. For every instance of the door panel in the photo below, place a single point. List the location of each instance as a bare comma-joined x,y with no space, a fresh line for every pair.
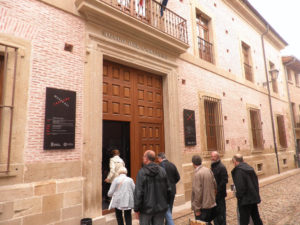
135,96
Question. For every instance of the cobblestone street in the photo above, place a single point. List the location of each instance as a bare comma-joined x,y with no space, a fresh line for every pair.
279,206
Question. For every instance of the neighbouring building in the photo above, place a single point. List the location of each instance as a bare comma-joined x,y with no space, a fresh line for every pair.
79,78
292,70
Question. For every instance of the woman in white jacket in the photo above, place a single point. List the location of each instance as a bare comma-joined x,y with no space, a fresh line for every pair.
121,191
115,164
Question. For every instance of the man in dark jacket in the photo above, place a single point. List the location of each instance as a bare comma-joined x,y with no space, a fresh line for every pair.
173,177
247,191
221,177
152,192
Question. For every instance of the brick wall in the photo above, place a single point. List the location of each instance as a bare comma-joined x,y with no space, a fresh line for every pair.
48,29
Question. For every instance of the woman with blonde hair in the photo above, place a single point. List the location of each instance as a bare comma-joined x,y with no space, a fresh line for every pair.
121,191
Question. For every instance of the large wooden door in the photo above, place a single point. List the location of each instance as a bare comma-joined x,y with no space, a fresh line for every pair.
135,96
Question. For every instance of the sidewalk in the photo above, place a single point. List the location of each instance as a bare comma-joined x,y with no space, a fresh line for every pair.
280,195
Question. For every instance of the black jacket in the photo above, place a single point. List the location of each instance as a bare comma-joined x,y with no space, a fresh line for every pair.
152,190
246,184
172,174
221,177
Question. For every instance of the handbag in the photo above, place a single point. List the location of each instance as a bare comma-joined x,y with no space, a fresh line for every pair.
112,198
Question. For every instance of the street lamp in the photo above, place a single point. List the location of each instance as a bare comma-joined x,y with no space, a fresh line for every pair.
274,76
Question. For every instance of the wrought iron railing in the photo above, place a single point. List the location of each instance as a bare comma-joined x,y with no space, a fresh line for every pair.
205,50
248,72
154,14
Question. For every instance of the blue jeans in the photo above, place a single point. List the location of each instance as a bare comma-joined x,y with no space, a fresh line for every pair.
169,219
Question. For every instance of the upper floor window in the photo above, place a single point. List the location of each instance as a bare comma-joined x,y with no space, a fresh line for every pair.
247,62
214,124
289,74
203,37
256,129
274,81
1,83
297,79
281,131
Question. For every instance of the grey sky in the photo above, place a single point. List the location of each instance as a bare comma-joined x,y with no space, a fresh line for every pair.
284,17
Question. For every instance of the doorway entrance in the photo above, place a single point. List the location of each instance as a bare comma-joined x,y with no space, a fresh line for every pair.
136,97
116,135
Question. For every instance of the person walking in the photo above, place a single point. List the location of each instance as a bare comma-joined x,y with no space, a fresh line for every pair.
173,177
115,163
152,192
247,191
121,191
204,189
221,177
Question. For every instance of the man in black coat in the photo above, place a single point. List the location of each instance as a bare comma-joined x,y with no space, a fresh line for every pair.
221,177
173,177
247,191
152,192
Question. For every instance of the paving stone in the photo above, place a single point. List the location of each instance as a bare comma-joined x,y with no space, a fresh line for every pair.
279,206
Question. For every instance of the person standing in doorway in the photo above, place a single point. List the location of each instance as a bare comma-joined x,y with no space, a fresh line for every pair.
121,191
247,191
173,177
115,164
204,189
152,192
221,177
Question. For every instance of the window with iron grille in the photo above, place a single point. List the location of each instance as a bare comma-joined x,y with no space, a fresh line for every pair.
247,62
256,129
281,131
274,81
214,124
8,67
204,44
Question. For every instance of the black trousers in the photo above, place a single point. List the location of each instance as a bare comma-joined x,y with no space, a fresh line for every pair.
127,215
221,212
249,210
207,215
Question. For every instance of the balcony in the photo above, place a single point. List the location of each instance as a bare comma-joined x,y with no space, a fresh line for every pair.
248,72
147,20
205,50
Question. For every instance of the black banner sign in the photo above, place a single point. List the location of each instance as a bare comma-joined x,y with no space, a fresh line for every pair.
189,127
60,113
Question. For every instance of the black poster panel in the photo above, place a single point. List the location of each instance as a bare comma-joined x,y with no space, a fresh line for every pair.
60,113
189,127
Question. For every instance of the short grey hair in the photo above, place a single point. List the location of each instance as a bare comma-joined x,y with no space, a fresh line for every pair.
196,160
161,155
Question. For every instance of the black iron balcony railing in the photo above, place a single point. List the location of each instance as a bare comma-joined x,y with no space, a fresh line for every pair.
248,72
154,14
205,50
297,121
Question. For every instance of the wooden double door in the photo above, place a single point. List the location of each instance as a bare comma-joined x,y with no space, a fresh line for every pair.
135,96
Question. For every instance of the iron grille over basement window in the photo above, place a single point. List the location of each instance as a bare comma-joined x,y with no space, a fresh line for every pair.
281,131
256,128
8,67
214,124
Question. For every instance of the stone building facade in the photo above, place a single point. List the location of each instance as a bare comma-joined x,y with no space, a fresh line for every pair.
135,68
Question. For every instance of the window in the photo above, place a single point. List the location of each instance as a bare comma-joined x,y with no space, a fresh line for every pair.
259,167
289,73
214,124
1,83
247,62
204,45
281,131
256,129
297,79
274,81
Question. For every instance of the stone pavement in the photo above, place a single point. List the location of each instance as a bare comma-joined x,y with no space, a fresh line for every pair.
280,204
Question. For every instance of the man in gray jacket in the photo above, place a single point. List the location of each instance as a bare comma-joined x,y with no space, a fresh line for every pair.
204,189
